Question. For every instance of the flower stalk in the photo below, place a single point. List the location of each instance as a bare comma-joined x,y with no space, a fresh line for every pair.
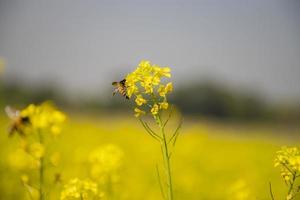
166,158
288,160
146,87
34,125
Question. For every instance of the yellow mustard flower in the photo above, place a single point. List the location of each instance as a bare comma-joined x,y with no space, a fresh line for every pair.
289,197
140,100
162,71
145,66
155,109
145,83
169,87
288,160
44,117
37,150
164,105
79,189
105,163
161,91
138,112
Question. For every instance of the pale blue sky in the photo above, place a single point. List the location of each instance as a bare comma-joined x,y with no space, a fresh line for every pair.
83,45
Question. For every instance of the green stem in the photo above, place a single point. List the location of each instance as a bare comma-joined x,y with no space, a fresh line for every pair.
292,184
166,158
41,170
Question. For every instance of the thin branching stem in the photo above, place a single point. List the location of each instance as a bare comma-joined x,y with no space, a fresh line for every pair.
155,134
292,172
150,131
176,133
28,191
292,184
271,191
166,158
169,117
160,183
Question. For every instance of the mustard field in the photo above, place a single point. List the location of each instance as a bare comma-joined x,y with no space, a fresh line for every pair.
211,160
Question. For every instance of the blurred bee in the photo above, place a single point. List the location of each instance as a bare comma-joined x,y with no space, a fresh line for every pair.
57,178
17,121
121,88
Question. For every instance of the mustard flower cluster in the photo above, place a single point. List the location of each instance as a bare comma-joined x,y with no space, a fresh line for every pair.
44,117
146,86
35,124
22,161
80,189
288,159
105,163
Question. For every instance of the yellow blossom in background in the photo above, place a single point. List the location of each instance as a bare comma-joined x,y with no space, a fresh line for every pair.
239,190
79,189
21,160
55,159
24,145
105,163
145,83
41,121
44,117
37,150
289,197
24,178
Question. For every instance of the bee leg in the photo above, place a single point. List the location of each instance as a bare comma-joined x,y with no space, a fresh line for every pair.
114,92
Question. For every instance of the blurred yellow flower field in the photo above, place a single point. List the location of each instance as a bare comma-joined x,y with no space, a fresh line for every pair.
213,161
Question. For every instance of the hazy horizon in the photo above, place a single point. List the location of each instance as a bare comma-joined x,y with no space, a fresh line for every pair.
85,45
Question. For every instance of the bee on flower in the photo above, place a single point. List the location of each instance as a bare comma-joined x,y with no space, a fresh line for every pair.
35,124
147,85
18,123
44,117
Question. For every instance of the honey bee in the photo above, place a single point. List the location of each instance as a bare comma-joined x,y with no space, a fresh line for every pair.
17,121
121,88
57,178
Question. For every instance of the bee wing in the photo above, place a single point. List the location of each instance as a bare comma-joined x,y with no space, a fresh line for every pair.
114,83
12,113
